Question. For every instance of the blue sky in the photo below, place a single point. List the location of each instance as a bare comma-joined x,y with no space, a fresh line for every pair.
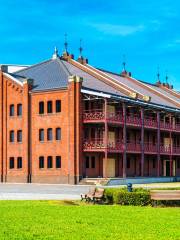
147,32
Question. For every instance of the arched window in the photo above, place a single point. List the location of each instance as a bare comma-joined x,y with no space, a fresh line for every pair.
11,110
19,136
41,135
19,109
58,133
49,134
58,106
11,136
58,161
49,162
41,162
41,107
49,107
19,162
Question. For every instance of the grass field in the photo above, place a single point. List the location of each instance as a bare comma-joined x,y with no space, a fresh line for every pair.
23,220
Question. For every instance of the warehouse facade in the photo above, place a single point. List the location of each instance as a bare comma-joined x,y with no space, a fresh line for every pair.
63,120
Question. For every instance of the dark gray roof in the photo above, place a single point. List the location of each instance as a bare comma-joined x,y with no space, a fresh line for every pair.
54,73
50,74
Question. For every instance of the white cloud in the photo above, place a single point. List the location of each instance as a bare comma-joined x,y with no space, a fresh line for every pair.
122,30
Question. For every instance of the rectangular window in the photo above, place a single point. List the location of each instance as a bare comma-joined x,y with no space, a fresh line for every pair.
41,162
19,109
58,162
11,136
58,133
87,162
41,107
178,163
154,163
49,107
41,135
93,162
58,106
49,162
49,134
11,110
128,163
19,162
19,136
11,162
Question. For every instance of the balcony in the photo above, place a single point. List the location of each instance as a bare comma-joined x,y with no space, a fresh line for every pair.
150,148
94,145
98,116
150,123
93,115
165,149
176,150
133,120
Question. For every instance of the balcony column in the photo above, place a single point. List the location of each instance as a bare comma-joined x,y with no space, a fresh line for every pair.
142,142
106,141
171,147
158,144
124,141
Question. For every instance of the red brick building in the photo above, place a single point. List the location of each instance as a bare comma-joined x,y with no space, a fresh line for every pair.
63,120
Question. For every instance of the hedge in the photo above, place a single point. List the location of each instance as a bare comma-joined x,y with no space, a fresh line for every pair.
139,197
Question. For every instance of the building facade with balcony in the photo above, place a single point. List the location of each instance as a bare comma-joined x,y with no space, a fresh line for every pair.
63,120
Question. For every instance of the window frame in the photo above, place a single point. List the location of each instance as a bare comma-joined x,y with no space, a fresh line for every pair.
58,106
11,160
19,109
93,162
49,131
11,139
58,134
41,162
49,107
19,162
10,110
19,136
49,162
58,165
87,162
41,107
41,130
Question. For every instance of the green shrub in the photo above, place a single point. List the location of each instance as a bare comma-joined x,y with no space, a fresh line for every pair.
139,196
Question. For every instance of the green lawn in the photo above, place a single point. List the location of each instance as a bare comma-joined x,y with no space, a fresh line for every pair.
54,220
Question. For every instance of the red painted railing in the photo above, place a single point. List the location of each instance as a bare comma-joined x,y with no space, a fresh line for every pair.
118,146
94,144
150,148
115,117
99,115
165,149
165,125
150,122
134,120
133,147
93,114
176,150
115,146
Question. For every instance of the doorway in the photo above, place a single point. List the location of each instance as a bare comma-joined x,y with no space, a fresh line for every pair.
167,168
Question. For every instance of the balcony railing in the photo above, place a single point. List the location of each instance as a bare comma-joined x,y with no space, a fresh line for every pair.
150,122
96,115
94,145
133,120
133,147
150,148
165,149
93,115
176,150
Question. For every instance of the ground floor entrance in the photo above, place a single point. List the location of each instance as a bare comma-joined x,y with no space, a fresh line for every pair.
95,165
